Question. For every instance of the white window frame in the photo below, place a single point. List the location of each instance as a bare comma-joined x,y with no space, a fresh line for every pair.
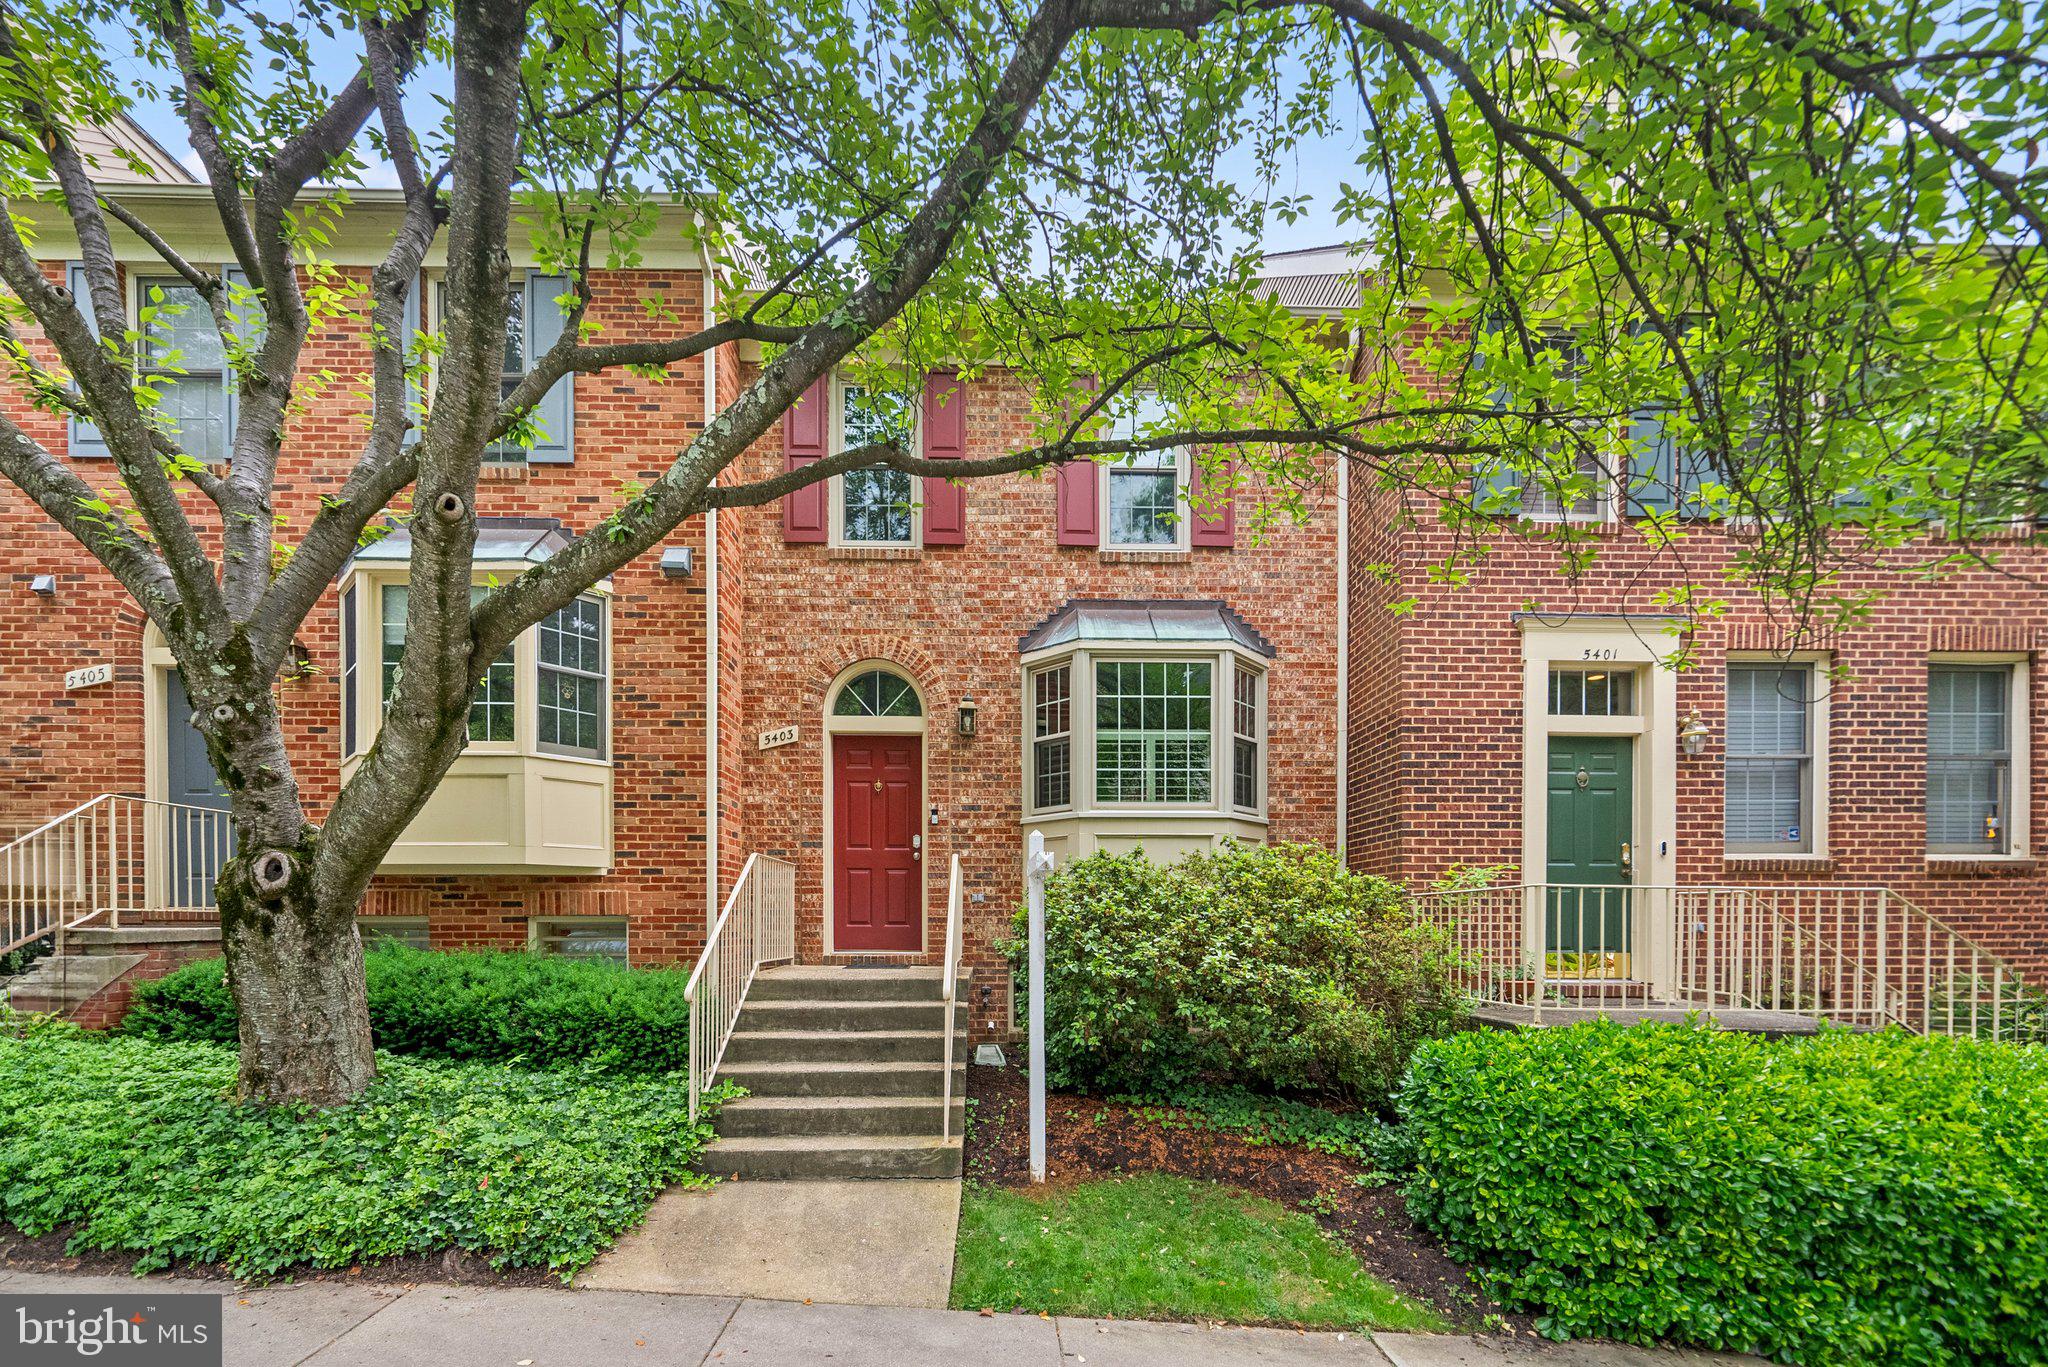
2020,775
370,582
139,279
1605,502
539,930
1183,476
1819,693
1081,659
835,488
397,928
1032,740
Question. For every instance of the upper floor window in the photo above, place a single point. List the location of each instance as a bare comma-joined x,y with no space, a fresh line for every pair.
181,354
533,324
1768,797
1144,493
1970,730
876,506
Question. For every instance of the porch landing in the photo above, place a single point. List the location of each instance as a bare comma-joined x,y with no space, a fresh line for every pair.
1749,1022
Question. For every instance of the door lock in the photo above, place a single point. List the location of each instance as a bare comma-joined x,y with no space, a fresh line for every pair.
1625,861
917,847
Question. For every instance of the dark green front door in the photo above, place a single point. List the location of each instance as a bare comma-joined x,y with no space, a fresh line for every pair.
1591,805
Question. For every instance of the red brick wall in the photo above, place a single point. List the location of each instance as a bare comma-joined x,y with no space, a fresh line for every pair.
951,618
58,748
1457,738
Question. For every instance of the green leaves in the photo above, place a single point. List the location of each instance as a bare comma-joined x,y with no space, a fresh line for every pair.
141,1147
1270,968
540,1011
1839,1199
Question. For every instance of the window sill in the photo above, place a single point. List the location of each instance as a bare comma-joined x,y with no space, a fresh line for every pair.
1162,556
874,553
491,472
1777,863
1982,866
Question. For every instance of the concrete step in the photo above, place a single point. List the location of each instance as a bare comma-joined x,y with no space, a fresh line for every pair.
840,1046
844,1079
761,1116
815,983
92,940
866,1016
60,983
820,1158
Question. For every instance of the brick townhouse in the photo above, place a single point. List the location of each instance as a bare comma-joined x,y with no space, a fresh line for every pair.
1521,719
864,681
873,678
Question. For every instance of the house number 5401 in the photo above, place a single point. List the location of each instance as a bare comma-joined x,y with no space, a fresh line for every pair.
1600,653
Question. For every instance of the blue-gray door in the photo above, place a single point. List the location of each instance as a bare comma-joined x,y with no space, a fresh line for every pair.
196,842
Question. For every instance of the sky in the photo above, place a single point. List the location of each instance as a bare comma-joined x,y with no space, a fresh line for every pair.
1316,170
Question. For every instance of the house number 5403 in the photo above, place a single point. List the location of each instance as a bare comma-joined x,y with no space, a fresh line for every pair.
1600,653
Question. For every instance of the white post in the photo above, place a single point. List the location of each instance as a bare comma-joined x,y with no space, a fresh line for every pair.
1037,864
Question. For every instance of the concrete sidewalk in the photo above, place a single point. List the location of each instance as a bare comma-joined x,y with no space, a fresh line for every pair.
345,1324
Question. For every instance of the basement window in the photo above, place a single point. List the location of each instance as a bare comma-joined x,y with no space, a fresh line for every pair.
410,931
582,937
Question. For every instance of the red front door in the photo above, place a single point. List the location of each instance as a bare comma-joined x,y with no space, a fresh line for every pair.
877,868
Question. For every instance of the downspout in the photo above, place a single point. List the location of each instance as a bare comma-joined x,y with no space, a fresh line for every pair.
711,624
1344,635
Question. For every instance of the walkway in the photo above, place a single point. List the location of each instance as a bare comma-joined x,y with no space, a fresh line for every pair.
346,1324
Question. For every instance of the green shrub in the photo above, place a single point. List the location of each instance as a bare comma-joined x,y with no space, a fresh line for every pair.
1269,968
1839,1199
543,1011
140,1145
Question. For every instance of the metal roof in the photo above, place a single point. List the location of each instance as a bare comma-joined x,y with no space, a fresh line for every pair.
498,540
1156,620
1311,293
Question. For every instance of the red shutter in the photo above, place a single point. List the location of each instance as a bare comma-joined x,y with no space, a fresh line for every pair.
945,438
1076,484
803,441
1210,525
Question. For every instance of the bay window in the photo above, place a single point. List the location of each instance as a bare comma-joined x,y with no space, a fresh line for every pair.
532,788
1144,723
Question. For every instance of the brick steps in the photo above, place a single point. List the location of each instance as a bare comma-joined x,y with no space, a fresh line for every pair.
844,1072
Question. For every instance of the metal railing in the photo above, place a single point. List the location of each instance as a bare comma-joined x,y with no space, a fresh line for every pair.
111,855
1856,956
949,985
756,927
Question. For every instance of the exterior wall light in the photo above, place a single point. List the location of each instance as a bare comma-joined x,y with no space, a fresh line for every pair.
1694,732
966,714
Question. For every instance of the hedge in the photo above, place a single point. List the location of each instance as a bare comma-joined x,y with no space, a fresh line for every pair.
1838,1199
140,1146
542,1011
1269,968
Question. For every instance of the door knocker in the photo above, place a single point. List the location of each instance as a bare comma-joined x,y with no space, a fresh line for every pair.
1585,779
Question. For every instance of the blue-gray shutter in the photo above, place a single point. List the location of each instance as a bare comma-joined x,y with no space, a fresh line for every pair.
554,417
246,317
1653,463
84,438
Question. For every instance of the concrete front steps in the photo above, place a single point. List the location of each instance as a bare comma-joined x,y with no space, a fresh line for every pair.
91,982
844,1073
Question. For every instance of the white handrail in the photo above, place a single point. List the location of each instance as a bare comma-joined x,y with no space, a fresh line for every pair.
949,985
116,853
1859,956
757,926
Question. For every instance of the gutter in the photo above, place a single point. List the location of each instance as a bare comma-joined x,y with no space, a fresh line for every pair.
1344,638
711,622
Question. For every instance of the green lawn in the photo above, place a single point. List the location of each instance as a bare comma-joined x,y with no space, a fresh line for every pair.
1163,1248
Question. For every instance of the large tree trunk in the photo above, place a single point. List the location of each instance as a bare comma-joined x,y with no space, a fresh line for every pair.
295,967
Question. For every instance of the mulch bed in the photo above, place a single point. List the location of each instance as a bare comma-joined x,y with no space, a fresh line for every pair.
21,1252
1090,1138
